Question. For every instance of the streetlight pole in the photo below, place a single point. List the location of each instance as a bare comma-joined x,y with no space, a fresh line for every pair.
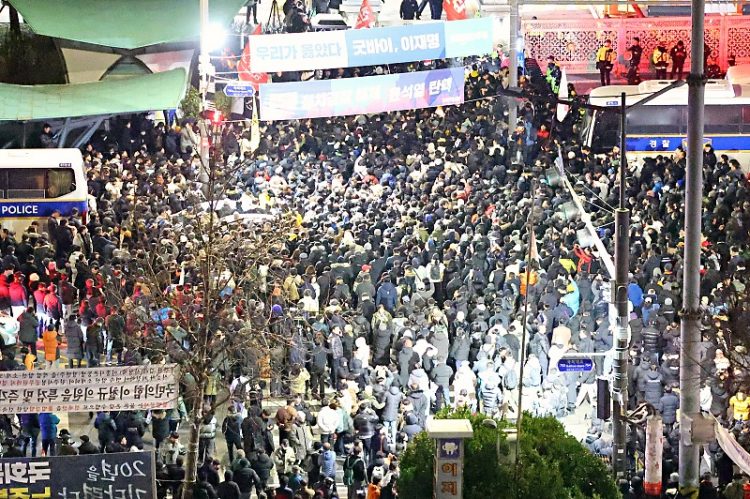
622,267
690,335
513,55
204,59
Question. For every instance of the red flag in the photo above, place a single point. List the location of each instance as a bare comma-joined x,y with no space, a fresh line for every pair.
366,17
455,10
243,67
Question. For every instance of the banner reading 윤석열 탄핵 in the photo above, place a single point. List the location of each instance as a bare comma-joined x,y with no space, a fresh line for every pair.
389,45
366,95
125,475
84,390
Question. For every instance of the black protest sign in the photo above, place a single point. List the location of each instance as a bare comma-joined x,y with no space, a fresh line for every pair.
125,475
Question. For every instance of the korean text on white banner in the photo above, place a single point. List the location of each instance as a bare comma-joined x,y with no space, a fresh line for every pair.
366,95
129,475
374,46
85,390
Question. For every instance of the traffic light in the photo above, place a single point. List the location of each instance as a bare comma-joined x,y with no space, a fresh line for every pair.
216,117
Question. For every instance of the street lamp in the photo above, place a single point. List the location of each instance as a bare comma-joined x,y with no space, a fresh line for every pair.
620,294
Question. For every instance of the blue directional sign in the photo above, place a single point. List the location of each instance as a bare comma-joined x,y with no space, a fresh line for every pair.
575,365
239,89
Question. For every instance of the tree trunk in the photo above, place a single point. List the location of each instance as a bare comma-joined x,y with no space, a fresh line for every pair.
15,21
191,461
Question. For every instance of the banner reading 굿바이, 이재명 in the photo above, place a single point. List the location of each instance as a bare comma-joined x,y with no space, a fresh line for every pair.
374,46
366,95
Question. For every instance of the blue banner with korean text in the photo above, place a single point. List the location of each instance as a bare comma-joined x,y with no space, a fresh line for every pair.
125,475
366,95
369,47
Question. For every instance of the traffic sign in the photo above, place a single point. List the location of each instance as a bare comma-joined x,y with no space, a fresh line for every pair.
239,89
575,365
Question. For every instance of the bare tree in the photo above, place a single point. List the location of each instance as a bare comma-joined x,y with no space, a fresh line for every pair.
214,320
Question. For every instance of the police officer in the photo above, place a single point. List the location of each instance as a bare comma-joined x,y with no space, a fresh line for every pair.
634,77
605,58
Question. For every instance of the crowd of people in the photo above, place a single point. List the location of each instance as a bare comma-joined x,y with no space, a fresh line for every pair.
408,288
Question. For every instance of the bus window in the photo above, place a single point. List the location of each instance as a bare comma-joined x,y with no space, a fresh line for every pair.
606,132
60,181
722,119
26,183
661,120
38,183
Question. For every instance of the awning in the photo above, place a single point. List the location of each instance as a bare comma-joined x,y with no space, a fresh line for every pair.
122,24
121,96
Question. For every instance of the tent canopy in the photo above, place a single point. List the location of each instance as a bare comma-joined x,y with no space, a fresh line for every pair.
122,24
115,96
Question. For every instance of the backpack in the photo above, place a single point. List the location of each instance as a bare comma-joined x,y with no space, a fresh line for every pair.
349,471
510,380
435,273
377,472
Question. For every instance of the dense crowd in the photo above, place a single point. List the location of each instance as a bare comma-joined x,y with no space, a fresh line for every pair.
407,289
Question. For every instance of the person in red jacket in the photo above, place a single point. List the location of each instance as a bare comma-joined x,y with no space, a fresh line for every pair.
4,294
52,306
584,258
19,298
39,293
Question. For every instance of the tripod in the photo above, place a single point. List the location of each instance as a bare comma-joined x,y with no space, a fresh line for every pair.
275,23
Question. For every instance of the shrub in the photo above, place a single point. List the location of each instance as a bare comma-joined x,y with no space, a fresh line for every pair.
553,465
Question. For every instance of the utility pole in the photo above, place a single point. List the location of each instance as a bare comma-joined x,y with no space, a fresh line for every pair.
690,335
515,35
620,292
204,59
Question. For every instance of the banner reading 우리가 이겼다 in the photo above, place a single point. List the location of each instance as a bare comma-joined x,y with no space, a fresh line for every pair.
366,95
374,46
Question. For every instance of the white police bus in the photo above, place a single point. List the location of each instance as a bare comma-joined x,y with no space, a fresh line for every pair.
36,182
660,126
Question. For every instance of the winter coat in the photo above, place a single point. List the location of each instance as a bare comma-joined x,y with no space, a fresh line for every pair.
106,427
532,374
461,347
412,426
421,405
283,459
159,425
668,406
392,403
18,296
654,388
407,359
327,463
49,338
262,466
74,338
27,332
48,425
441,374
387,296
364,424
328,420
440,341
